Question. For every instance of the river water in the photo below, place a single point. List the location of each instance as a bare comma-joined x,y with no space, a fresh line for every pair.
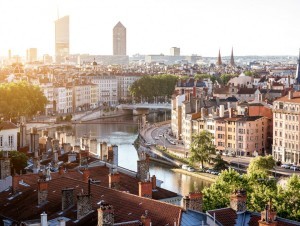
124,135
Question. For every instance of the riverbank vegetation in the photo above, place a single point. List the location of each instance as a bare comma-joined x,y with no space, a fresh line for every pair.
261,187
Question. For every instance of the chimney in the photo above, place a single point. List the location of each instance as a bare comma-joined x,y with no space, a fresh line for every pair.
153,180
55,144
193,201
44,221
238,201
145,219
230,111
290,95
67,196
194,91
5,166
71,157
15,183
42,191
86,175
221,111
145,189
61,222
84,205
61,170
34,141
268,216
116,155
143,167
202,113
105,215
114,180
93,145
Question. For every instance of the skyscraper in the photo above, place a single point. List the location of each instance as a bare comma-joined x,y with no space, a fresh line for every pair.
119,39
31,55
62,44
219,62
232,59
175,51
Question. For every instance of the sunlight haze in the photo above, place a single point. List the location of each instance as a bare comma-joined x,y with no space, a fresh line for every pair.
269,27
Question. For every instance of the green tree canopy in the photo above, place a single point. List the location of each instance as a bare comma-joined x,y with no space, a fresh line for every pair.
18,160
202,147
21,99
154,86
261,166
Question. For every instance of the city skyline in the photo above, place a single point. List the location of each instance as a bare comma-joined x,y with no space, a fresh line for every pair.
196,27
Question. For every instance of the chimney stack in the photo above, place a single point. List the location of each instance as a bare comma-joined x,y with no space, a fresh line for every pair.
67,198
221,111
115,149
268,216
114,180
145,219
238,201
42,191
105,215
145,189
86,175
143,167
153,180
290,95
193,201
84,205
44,221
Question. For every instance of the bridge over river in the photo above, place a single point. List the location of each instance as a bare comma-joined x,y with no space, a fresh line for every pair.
143,108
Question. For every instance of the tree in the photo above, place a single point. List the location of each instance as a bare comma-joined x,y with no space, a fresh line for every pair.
18,160
21,99
260,165
202,147
224,78
220,164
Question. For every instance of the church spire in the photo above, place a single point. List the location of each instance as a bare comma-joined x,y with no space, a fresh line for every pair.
219,62
232,59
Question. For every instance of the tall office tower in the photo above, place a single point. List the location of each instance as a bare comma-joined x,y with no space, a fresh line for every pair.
175,51
9,54
119,39
219,62
232,59
62,44
31,55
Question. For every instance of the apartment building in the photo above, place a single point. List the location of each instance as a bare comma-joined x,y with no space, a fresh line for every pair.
286,122
124,82
81,97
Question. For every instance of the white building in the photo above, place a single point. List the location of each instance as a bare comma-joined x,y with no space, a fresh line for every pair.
8,136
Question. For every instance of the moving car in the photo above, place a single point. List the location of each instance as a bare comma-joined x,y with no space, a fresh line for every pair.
191,169
185,167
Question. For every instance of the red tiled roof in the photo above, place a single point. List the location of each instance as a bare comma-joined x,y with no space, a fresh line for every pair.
280,222
127,207
295,99
7,125
246,91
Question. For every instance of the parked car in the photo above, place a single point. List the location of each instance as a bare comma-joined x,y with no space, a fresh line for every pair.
214,172
160,135
156,138
286,166
295,167
231,154
209,170
185,167
191,169
172,142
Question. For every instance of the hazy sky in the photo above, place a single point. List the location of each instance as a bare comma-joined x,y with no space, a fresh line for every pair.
252,27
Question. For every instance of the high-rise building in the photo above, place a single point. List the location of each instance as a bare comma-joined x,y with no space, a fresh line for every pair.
175,51
119,39
219,62
232,59
62,43
31,55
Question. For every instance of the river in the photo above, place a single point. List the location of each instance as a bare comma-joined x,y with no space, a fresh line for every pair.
124,135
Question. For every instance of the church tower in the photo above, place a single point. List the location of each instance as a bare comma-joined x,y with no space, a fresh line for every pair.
219,62
232,64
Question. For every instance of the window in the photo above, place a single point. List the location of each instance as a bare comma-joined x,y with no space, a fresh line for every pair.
229,137
1,141
10,141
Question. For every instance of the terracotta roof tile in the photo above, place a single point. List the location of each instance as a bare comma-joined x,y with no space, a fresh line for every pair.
7,125
226,216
